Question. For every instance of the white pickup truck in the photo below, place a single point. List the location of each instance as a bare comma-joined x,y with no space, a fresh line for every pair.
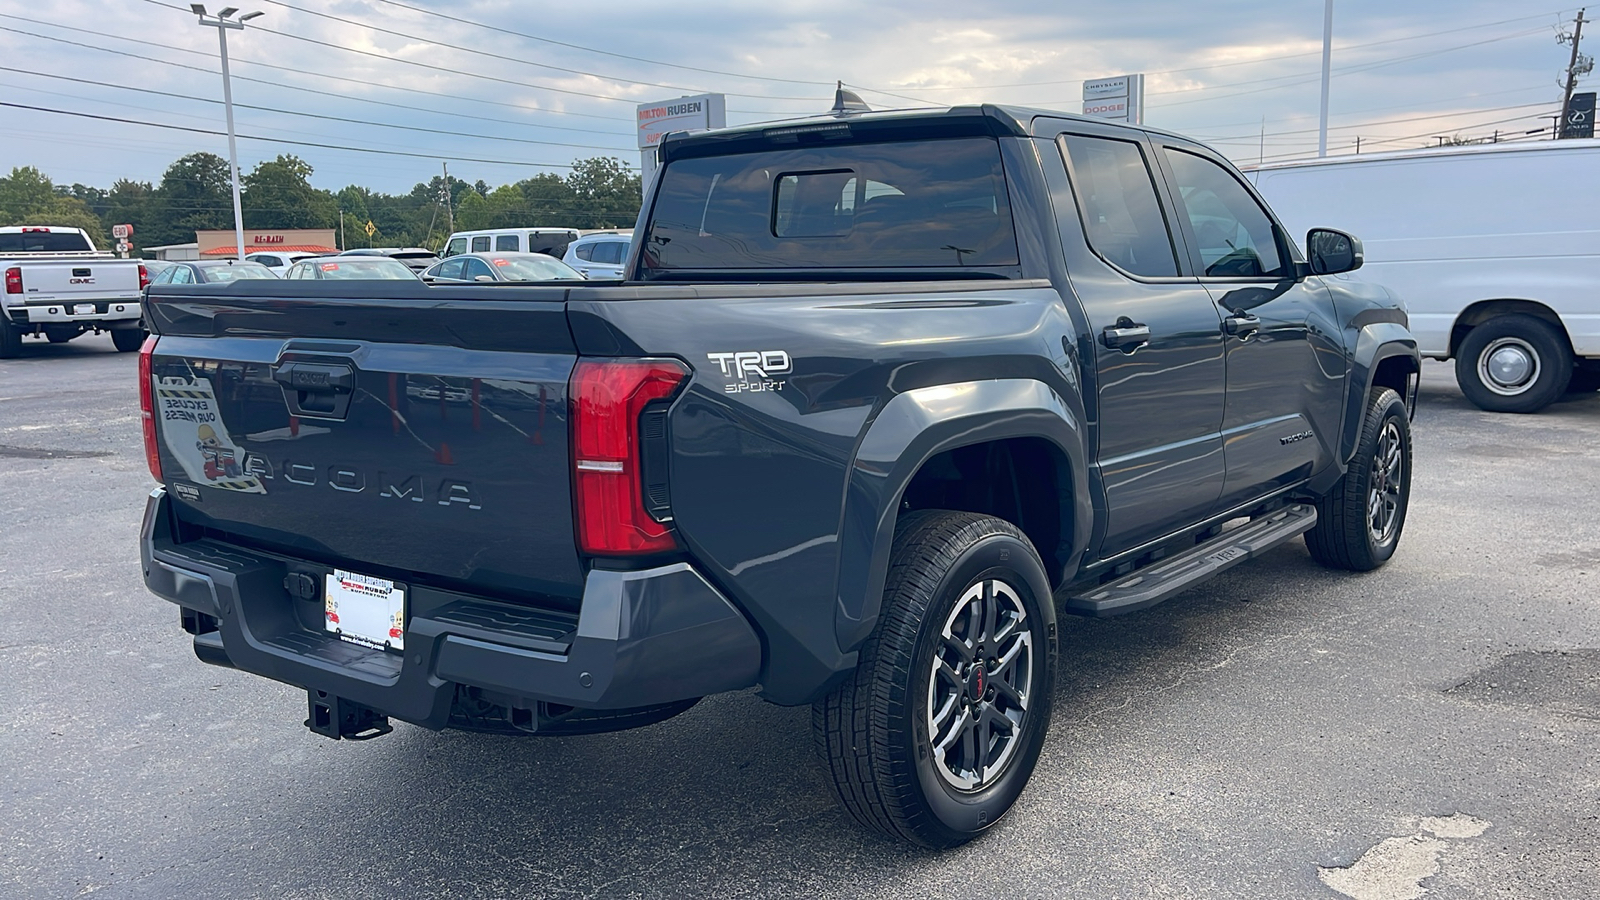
58,286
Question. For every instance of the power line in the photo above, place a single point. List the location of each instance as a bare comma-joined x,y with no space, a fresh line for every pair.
297,71
462,72
291,112
382,30
653,62
498,162
1243,62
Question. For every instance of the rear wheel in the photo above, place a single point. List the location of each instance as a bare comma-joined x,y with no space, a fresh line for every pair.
936,733
1514,363
127,340
10,340
1360,520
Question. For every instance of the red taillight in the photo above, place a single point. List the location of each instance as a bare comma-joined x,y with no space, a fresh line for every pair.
144,277
147,407
608,398
35,231
14,280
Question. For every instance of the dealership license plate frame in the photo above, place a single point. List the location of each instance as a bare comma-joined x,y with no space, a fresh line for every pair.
364,609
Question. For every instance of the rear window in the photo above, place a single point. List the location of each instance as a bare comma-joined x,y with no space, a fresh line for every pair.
505,242
44,242
936,203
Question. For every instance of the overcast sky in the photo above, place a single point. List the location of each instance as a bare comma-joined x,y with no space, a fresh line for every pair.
1403,73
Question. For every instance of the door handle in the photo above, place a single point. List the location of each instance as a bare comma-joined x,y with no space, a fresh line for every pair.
1241,325
1127,335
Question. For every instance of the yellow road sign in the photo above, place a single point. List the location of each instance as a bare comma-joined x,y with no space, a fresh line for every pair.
371,228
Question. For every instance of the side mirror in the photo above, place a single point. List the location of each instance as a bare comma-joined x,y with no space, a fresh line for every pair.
1333,251
483,278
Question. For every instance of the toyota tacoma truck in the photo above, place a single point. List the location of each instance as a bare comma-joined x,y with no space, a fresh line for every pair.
882,398
58,286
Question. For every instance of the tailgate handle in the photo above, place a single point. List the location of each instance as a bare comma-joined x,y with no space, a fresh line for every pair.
80,273
317,390
316,378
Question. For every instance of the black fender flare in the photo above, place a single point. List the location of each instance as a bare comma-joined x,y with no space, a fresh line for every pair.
1375,342
912,428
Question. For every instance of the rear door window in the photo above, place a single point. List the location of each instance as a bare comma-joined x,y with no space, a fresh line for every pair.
908,204
609,253
480,244
506,243
1117,201
451,269
584,252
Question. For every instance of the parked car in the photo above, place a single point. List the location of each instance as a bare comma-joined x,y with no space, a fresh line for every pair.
1492,247
550,241
350,268
211,271
856,453
278,261
599,255
500,267
154,267
58,286
415,258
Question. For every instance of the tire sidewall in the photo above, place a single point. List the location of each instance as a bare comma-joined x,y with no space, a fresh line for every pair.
1555,364
1005,558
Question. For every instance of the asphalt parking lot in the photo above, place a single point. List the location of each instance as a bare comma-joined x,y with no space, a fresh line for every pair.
1437,719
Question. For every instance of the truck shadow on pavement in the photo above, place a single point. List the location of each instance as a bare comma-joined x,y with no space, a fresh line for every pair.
729,796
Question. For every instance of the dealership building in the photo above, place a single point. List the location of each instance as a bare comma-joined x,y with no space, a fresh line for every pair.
220,244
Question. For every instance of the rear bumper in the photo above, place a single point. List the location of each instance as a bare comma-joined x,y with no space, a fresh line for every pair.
126,311
641,638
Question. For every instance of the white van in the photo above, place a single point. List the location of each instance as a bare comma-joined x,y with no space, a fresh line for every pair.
1495,249
549,241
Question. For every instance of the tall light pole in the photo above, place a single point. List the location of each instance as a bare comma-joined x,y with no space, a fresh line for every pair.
1327,61
224,22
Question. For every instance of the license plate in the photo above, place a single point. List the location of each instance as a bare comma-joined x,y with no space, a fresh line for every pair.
365,610
83,309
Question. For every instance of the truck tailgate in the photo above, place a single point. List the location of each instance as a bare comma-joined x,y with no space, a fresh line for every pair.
359,429
90,279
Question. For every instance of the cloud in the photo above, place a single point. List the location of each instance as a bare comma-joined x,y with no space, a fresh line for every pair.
1216,70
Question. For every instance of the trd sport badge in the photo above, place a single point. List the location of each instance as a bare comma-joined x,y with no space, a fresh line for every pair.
756,370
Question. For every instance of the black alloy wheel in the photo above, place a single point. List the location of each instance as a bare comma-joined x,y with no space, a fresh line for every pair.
937,732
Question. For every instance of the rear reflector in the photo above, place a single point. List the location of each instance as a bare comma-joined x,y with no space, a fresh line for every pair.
14,280
147,407
608,399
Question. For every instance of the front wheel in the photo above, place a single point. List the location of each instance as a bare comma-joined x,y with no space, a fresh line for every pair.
127,340
1514,363
1360,520
937,732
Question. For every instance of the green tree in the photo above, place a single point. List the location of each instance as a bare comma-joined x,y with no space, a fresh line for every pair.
278,194
25,191
195,195
131,203
70,212
604,193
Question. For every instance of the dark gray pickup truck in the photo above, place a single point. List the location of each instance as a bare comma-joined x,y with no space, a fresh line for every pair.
880,395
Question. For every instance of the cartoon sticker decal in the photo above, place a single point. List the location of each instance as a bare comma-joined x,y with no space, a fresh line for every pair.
192,428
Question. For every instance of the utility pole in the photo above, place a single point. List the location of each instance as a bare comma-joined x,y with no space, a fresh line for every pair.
1573,67
224,22
1327,70
341,230
449,201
